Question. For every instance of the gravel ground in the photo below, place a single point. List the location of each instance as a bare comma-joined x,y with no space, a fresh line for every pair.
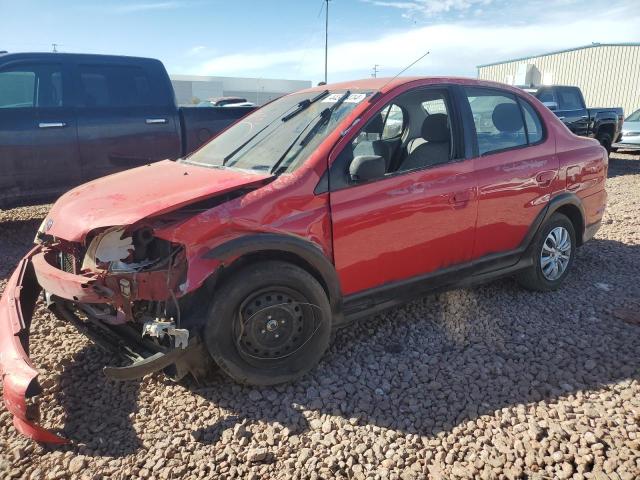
489,382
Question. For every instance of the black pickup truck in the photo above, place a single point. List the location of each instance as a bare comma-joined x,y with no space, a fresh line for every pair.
604,124
69,118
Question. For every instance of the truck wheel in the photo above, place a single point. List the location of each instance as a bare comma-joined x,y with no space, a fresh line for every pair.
606,141
553,254
269,323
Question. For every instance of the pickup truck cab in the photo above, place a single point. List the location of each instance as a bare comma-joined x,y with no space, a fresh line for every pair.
322,207
567,102
67,118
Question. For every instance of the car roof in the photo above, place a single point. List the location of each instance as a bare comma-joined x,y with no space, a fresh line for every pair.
384,85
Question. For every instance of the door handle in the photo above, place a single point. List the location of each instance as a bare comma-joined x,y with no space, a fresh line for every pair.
544,179
155,121
460,198
52,125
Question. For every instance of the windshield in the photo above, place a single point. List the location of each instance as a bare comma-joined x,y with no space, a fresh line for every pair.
281,135
634,117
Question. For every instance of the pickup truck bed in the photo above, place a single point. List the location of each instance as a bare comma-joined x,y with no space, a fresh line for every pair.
69,118
567,102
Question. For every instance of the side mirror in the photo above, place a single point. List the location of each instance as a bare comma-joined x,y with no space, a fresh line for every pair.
367,167
553,106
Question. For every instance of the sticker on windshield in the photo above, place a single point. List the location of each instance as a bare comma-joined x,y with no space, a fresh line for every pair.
353,98
333,98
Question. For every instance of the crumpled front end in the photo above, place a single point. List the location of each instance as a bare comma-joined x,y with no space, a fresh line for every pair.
122,288
19,377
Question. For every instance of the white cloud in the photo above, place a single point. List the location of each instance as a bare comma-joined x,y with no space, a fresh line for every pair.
456,48
144,7
429,8
197,50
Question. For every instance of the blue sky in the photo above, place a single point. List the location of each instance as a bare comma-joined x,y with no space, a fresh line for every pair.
285,38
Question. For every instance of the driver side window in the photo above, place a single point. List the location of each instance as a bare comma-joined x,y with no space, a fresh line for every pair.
413,132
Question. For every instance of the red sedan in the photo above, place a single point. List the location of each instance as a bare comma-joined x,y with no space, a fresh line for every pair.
321,207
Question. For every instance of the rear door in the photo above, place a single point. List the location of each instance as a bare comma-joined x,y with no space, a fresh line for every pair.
38,137
126,118
516,168
572,110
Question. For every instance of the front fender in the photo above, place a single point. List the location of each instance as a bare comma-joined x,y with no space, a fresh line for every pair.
305,250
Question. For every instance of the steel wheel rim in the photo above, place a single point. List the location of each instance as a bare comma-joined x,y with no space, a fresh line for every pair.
556,253
272,324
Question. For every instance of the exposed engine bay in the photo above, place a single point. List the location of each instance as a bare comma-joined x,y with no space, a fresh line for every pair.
137,278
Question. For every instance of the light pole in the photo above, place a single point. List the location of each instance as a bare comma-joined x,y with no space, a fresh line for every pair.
326,39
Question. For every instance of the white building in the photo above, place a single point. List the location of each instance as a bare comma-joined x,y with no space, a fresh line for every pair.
607,73
191,88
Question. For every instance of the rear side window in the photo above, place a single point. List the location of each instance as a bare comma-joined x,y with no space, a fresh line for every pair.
115,86
503,121
498,120
569,99
26,86
532,122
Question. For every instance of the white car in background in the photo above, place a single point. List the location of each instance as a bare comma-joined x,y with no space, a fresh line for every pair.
630,136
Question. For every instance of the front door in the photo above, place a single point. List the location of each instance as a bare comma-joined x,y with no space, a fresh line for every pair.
419,218
38,136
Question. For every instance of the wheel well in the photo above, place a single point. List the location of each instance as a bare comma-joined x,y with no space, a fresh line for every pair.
289,257
608,128
573,213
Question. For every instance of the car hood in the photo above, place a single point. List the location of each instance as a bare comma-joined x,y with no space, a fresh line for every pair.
130,196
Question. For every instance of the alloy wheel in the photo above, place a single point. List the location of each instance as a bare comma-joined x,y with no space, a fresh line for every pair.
556,253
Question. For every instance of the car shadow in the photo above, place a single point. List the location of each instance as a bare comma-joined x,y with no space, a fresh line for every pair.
623,165
474,353
424,368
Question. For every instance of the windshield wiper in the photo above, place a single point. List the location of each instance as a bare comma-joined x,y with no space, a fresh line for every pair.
324,115
303,105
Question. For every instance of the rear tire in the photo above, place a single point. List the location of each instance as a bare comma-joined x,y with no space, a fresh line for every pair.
553,254
606,141
269,323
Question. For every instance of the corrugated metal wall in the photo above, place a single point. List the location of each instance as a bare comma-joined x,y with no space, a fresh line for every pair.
608,75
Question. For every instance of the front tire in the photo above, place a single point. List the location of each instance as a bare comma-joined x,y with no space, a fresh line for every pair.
553,255
269,323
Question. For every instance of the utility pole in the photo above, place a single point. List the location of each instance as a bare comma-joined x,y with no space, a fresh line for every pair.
55,49
326,39
375,70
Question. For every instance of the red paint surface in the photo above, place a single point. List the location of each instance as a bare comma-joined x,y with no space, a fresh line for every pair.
15,366
127,197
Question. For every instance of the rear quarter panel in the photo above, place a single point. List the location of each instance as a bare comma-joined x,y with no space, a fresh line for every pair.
583,166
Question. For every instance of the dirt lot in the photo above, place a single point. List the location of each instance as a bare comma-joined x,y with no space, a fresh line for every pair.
490,382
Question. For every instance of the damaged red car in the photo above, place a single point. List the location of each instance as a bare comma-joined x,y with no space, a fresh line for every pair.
319,208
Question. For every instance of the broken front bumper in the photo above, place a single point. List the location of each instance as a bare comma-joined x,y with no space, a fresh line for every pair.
19,377
37,271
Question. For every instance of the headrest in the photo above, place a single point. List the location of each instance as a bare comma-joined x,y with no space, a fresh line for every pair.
507,118
375,125
435,128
